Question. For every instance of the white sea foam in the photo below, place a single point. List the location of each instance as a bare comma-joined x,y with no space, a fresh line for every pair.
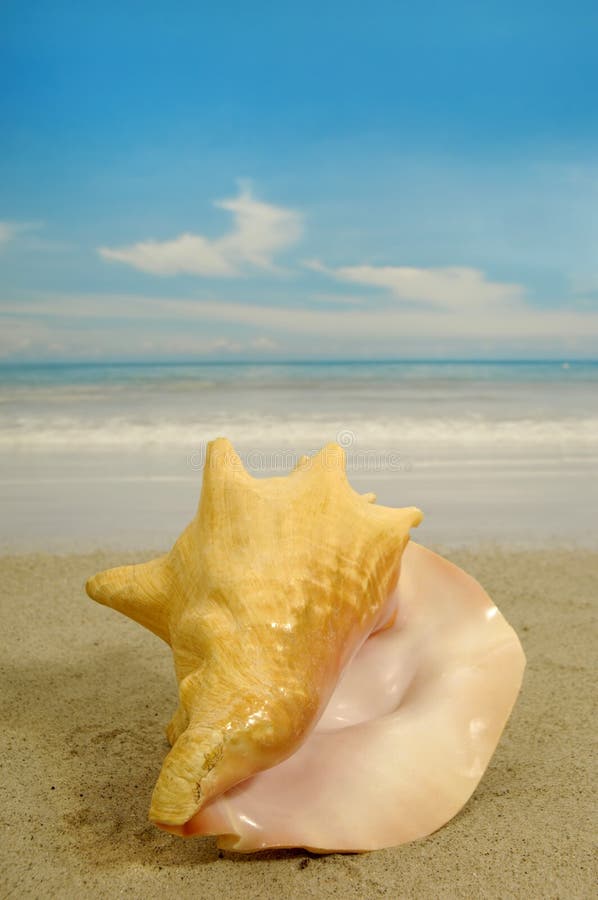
41,433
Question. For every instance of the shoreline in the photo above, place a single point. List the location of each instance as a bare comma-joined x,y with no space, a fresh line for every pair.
76,503
88,693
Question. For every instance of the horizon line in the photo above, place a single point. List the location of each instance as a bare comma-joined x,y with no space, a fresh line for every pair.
570,360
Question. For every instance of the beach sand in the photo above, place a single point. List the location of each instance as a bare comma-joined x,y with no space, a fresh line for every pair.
86,694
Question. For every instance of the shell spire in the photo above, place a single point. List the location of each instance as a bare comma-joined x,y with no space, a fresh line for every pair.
264,599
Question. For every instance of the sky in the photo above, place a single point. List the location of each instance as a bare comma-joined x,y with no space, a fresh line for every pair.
269,180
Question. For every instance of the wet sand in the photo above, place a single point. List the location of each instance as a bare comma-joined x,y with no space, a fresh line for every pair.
86,693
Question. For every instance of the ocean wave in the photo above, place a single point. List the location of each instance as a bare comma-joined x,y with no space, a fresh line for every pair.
400,432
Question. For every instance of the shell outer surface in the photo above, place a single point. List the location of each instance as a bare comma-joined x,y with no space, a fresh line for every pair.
265,599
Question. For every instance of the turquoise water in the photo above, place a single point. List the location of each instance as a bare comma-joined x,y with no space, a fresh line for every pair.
131,373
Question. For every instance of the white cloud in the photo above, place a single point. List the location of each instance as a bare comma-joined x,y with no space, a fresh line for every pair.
263,343
25,339
450,288
10,230
260,231
186,253
343,299
7,232
187,344
300,327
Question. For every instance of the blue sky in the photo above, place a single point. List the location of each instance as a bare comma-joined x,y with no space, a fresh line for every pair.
270,180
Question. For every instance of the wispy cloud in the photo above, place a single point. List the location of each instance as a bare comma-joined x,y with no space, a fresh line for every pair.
450,288
36,340
339,299
263,343
141,318
11,230
260,231
184,345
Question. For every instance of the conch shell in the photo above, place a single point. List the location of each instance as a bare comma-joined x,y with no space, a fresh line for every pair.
264,599
324,701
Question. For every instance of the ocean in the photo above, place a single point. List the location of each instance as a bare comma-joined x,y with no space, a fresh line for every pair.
111,454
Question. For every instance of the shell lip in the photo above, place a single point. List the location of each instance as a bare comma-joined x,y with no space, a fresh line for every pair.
183,830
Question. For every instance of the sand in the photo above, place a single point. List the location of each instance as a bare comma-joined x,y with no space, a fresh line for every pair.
86,694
